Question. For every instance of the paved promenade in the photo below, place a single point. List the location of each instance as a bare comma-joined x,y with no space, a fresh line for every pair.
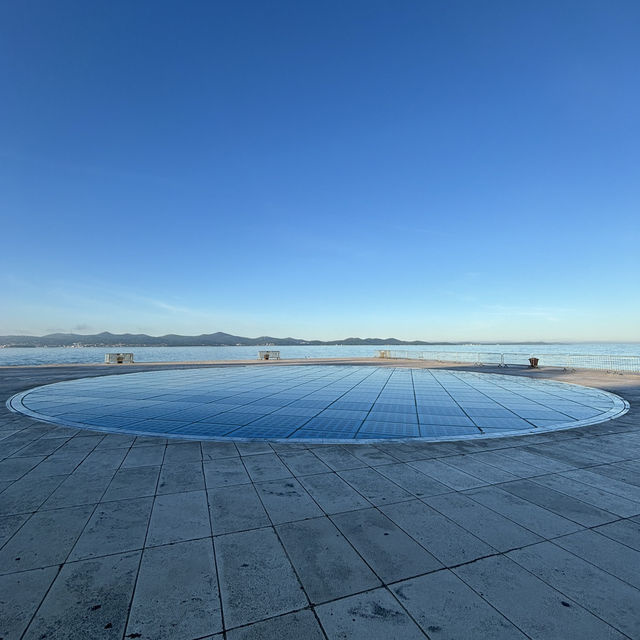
118,536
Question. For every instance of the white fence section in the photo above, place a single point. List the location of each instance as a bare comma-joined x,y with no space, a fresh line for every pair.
565,360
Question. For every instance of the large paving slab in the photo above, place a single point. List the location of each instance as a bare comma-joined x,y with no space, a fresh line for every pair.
124,536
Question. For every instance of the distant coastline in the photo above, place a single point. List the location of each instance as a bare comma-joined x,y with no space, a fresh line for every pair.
218,339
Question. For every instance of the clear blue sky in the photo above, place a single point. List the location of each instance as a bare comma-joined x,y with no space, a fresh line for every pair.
437,170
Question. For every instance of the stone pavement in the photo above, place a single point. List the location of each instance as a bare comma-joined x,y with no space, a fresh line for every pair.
117,536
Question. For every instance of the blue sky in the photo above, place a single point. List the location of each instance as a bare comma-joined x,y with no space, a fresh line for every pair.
432,170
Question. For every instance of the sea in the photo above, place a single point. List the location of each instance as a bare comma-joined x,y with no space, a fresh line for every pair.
80,355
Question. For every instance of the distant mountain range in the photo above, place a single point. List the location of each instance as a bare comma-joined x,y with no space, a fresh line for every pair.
218,339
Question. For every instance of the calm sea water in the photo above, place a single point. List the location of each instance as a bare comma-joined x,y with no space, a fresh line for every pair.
62,355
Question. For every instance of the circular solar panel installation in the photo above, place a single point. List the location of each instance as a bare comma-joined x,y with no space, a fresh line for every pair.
317,403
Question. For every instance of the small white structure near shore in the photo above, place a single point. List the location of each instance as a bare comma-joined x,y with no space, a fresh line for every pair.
269,355
118,358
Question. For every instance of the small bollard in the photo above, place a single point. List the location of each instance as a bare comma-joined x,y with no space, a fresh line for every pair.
534,362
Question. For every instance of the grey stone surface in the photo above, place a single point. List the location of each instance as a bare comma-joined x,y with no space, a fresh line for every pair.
179,516
375,614
45,540
327,565
609,598
114,527
611,556
388,550
168,574
487,525
591,494
537,609
20,596
375,572
411,480
532,517
88,598
447,475
301,625
441,537
266,466
256,577
144,456
625,531
236,508
179,477
224,472
135,482
286,500
79,488
332,493
559,503
374,487
447,609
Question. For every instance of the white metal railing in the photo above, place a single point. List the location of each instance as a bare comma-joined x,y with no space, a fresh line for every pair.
565,360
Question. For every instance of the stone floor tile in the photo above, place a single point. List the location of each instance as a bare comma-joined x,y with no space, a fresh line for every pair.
41,447
59,464
538,610
151,455
236,508
115,527
182,452
176,595
609,598
327,565
559,503
257,580
332,493
626,532
388,550
413,481
214,450
87,597
447,475
177,517
375,614
102,461
133,482
253,448
525,513
375,487
286,500
78,489
303,463
441,537
291,626
539,461
447,609
338,458
516,467
266,466
475,467
183,476
10,524
45,540
15,468
20,596
591,494
28,493
616,487
491,527
371,455
224,472
611,556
